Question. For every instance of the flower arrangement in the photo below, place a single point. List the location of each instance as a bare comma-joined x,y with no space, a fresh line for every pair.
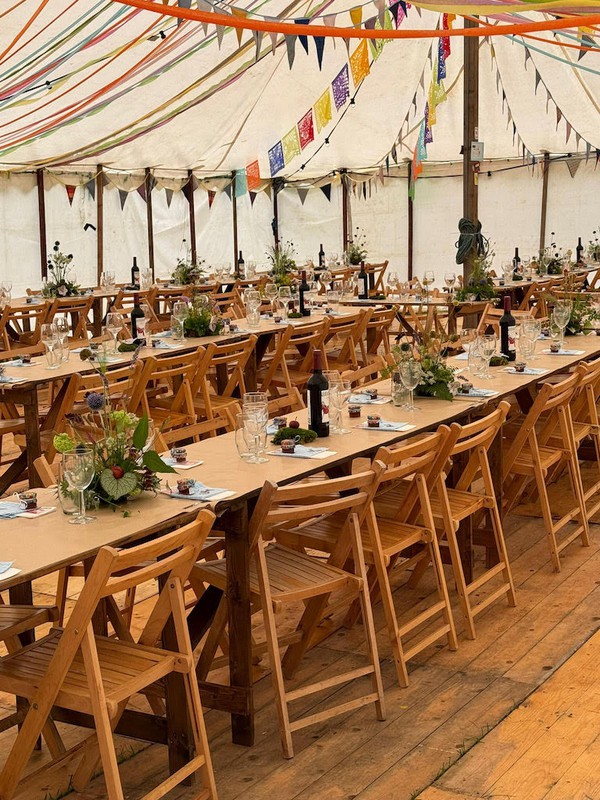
553,259
187,272
583,313
60,283
125,465
480,285
283,263
593,248
356,251
436,375
204,318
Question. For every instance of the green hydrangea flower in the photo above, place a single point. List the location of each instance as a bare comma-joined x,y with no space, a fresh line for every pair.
63,443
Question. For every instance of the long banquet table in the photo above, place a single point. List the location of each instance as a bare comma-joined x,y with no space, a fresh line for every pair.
43,545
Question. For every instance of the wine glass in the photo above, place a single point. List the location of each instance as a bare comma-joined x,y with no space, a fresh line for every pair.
338,395
428,280
487,344
333,379
114,324
392,282
271,292
61,325
49,338
507,271
467,338
79,473
561,314
285,296
410,375
450,280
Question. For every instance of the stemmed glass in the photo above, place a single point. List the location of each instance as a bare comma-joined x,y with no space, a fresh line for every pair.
428,280
561,314
467,338
333,379
61,324
285,297
410,375
49,338
487,344
79,473
450,280
271,292
114,323
338,396
392,282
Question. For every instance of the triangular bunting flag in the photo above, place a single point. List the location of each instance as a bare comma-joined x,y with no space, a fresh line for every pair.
586,41
227,190
122,198
141,190
303,38
204,5
70,193
169,196
558,115
394,8
527,56
91,187
364,191
320,47
267,190
257,36
220,31
302,192
273,42
573,165
588,150
183,4
538,78
252,197
356,15
569,129
290,43
597,157
394,154
329,20
326,190
240,14
380,6
211,198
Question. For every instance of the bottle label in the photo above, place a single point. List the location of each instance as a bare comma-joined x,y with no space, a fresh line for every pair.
140,325
325,406
512,338
362,287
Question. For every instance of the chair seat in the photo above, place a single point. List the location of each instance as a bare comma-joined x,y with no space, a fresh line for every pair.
15,620
581,430
126,668
292,575
462,504
548,457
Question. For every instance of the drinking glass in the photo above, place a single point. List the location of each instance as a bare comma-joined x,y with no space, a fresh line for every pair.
255,433
507,271
477,360
338,395
333,379
271,292
450,280
49,338
487,345
285,296
114,324
79,473
180,310
428,280
253,318
410,375
526,345
61,324
532,327
392,282
333,299
561,314
177,329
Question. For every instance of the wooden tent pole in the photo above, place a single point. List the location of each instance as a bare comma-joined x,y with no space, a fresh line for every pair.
545,174
189,193
99,222
148,180
39,174
470,133
235,225
410,218
275,224
345,207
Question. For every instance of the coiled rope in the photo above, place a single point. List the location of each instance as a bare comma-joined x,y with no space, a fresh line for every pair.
470,236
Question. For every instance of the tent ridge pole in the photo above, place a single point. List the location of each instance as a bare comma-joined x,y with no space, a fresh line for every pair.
39,174
544,209
99,222
149,217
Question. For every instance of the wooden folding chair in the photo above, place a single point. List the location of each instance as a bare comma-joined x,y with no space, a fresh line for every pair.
21,327
76,310
344,338
230,303
586,425
164,298
490,319
377,334
369,373
531,457
281,575
377,271
14,622
76,669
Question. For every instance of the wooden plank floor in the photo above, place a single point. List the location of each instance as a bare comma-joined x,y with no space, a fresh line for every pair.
453,698
547,749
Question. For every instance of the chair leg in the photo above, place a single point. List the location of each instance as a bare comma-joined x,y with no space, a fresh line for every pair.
61,594
547,516
442,589
461,584
278,681
503,554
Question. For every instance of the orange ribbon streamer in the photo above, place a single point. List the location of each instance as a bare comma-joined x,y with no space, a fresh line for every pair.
290,29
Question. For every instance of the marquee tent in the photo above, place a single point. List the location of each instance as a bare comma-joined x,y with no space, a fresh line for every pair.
98,96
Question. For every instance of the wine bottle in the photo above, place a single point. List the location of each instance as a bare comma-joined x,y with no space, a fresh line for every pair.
363,283
516,261
318,400
302,290
579,252
507,332
241,266
135,273
138,320
321,257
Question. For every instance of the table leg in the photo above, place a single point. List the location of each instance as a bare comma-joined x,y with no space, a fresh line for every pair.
97,309
32,435
240,634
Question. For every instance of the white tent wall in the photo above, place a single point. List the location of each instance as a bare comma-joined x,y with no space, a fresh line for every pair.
65,223
125,233
171,226
255,235
318,221
382,218
19,231
573,204
214,228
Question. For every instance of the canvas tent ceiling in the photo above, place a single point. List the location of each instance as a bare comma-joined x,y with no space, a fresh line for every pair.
93,82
